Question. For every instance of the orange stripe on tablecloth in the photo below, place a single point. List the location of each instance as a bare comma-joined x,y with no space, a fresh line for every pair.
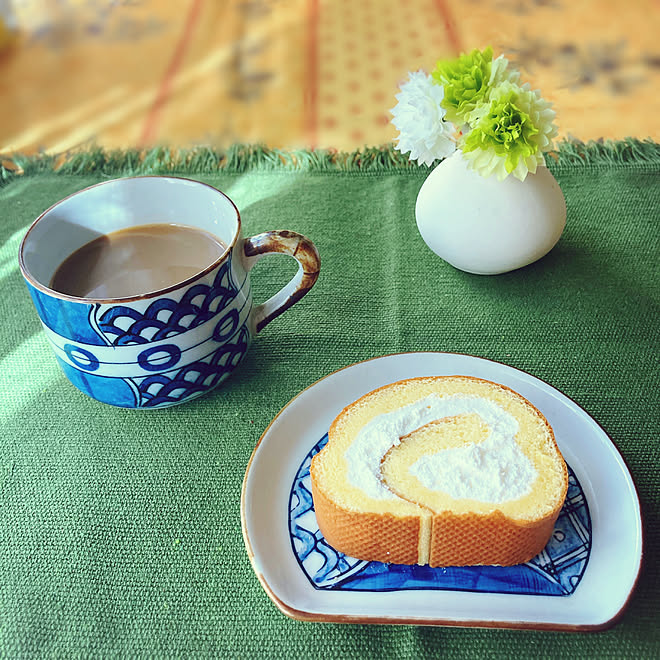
151,122
311,77
450,26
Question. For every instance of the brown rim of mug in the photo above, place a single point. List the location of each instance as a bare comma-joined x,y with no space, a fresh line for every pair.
143,296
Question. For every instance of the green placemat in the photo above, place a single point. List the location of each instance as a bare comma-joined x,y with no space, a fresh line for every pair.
120,531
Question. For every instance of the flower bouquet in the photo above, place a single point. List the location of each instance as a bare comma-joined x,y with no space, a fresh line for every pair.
477,104
491,205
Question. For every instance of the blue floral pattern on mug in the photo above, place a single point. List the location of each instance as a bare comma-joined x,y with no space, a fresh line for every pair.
172,350
195,378
123,325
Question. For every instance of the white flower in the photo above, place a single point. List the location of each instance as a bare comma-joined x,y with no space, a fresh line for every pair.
419,118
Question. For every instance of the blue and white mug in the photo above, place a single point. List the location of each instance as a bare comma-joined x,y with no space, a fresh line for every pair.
169,346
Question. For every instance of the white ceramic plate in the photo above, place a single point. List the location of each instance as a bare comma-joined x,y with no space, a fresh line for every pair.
582,587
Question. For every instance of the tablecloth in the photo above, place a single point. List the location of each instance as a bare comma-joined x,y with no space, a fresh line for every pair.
120,531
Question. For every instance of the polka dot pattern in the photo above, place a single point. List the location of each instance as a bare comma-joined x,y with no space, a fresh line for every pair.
365,50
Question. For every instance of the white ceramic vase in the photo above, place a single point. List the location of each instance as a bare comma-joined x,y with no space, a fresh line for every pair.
484,226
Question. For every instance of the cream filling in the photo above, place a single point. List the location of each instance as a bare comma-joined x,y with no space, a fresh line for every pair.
493,471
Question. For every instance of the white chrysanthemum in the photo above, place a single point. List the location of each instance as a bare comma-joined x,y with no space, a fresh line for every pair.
419,118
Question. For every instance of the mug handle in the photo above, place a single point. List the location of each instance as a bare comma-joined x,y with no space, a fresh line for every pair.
309,263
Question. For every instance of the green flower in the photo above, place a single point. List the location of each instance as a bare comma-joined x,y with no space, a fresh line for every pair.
468,80
511,133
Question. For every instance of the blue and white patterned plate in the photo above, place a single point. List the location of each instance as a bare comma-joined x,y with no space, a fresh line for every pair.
554,572
582,580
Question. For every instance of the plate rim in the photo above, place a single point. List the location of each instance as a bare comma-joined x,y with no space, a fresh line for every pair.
304,615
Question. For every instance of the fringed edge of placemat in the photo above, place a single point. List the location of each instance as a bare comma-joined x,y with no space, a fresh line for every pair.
241,158
606,152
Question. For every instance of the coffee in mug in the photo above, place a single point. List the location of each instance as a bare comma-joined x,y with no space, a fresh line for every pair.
137,260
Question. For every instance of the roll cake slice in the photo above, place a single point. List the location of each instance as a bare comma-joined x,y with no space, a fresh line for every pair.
444,471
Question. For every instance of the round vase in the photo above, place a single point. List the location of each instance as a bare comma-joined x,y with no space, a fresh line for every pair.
485,226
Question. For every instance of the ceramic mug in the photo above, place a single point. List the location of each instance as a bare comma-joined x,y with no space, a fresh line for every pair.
168,346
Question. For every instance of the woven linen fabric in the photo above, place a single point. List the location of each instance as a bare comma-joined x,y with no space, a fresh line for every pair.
120,530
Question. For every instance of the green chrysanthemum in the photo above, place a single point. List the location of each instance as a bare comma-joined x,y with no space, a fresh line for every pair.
468,80
511,133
